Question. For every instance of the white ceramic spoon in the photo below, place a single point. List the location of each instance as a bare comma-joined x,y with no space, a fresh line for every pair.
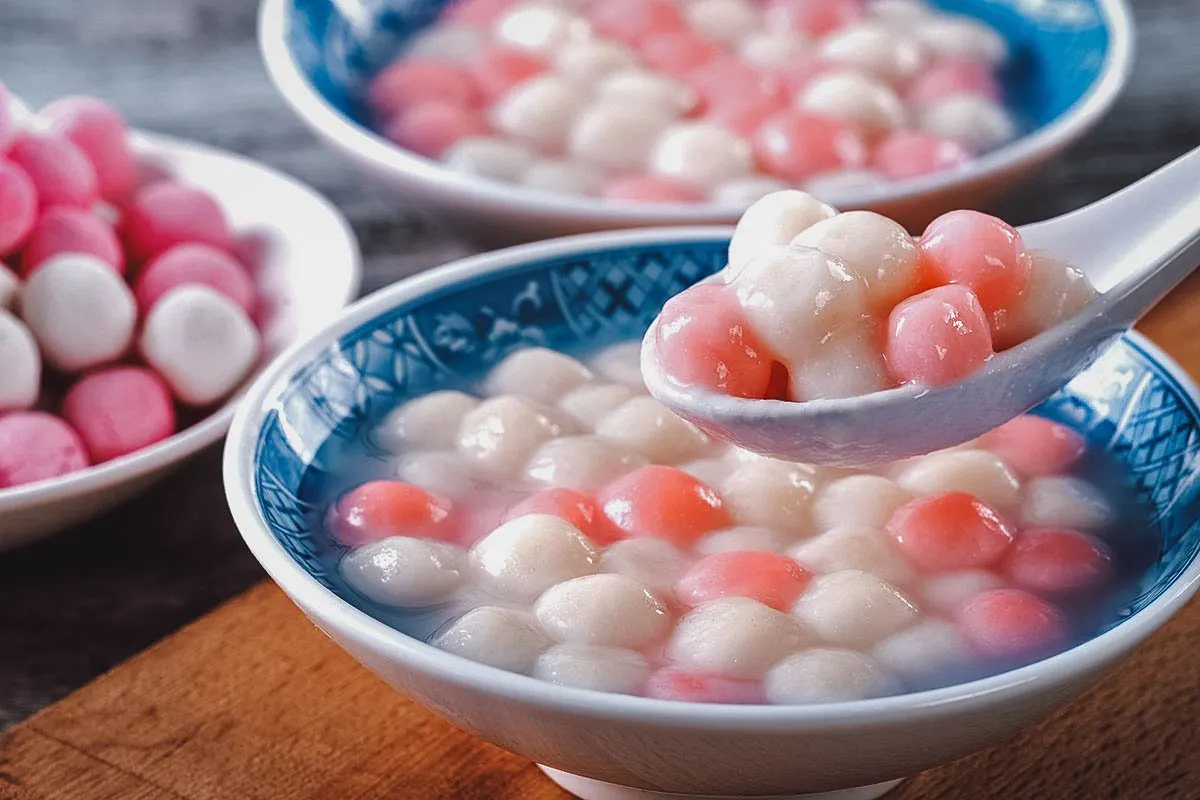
1134,246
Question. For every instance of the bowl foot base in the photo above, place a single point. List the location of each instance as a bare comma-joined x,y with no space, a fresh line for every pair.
589,789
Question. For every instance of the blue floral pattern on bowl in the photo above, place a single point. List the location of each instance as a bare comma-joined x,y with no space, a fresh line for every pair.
1127,403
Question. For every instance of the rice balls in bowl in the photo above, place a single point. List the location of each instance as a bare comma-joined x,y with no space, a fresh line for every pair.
416,478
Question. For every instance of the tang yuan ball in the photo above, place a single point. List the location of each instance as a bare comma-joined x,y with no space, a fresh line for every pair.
18,206
602,669
381,509
537,373
591,402
36,446
428,422
201,342
118,411
795,145
846,364
71,230
10,288
908,154
796,297
642,89
712,471
873,247
1064,502
773,49
20,364
576,507
1010,623
538,112
453,44
617,136
98,130
860,501
673,683
679,53
80,311
499,637
495,70
743,192
734,637
923,652
770,494
405,572
165,214
541,27
743,537
949,532
813,17
976,472
409,82
850,548
722,20
9,122
937,337
1035,446
604,609
502,433
195,264
948,77
946,592
445,473
1056,292
1056,560
620,363
653,189
587,63
855,98
59,170
433,128
489,157
875,49
644,425
975,122
527,555
654,563
663,503
958,36
702,153
580,462
770,578
634,21
827,675
565,176
854,608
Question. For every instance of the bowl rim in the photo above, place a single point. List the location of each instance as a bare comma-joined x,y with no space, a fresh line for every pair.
334,613
184,443
507,199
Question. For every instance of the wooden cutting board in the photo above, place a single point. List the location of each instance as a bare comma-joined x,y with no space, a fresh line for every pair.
253,702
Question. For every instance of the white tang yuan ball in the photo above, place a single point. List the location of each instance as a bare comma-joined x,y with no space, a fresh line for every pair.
652,562
449,43
855,98
586,63
900,13
539,111
861,501
770,494
734,637
10,288
844,181
726,21
620,363
563,176
429,422
773,49
847,364
854,608
946,592
446,473
527,555
603,609
540,28
862,549
406,572
744,192
617,136
591,402
498,637
827,675
876,49
646,89
976,472
702,153
201,342
955,36
602,669
745,537
537,373
712,471
775,220
925,651
489,157
586,463
1066,502
975,122
80,311
502,433
20,364
644,425
796,297
877,249
1057,291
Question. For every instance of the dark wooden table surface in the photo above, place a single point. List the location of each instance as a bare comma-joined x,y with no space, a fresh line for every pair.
78,604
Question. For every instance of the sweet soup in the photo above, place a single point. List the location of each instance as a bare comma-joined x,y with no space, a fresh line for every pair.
818,304
696,100
554,520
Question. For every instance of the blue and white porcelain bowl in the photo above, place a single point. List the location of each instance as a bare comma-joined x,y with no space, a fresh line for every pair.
1071,60
422,333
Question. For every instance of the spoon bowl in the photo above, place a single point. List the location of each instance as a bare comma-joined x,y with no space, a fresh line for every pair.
1134,246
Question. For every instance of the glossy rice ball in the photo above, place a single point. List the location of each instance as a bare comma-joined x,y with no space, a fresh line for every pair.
1060,501
502,433
770,494
976,472
654,563
602,669
851,548
925,652
428,422
775,220
537,373
860,501
873,247
527,555
645,426
734,638
498,637
854,608
827,675
405,572
591,402
20,364
587,463
604,609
